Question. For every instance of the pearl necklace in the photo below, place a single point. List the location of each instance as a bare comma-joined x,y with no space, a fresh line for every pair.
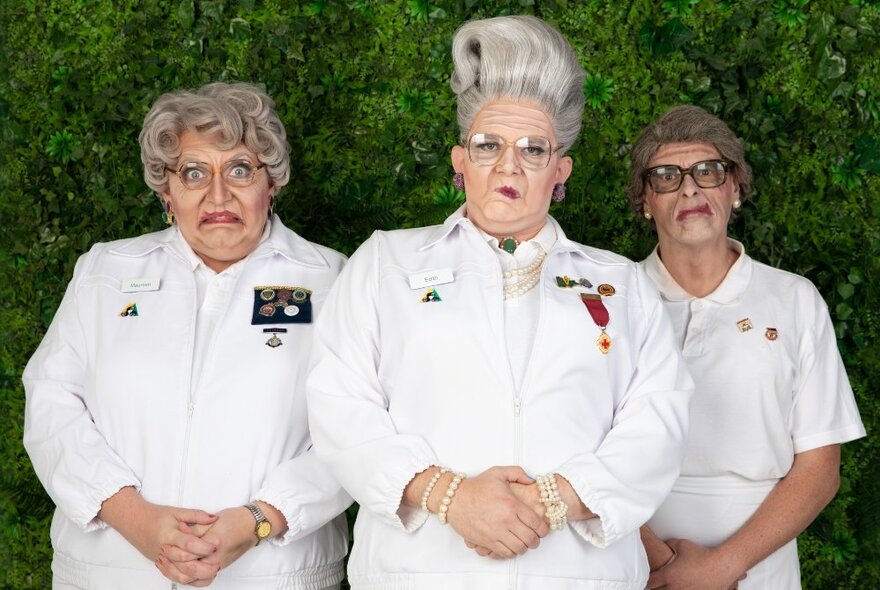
523,279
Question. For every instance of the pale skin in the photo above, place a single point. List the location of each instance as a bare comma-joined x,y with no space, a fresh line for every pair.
222,224
692,234
498,513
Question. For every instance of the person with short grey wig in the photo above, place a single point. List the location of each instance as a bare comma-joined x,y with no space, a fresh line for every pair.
686,124
236,113
165,409
772,402
481,383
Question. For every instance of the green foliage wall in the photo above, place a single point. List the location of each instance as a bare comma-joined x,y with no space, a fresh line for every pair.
362,86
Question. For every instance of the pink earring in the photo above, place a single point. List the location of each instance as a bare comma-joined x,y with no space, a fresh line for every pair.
168,214
458,181
558,192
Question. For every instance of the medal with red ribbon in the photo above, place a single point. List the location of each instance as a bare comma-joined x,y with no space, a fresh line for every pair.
600,316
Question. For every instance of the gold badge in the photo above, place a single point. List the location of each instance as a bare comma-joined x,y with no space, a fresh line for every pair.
771,334
744,325
606,290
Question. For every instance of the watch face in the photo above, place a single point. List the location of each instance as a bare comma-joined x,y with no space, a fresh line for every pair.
263,529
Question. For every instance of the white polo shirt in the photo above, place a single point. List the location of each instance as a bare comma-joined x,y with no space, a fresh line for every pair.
770,383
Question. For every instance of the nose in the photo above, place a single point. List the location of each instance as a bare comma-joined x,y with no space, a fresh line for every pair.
218,192
688,186
507,162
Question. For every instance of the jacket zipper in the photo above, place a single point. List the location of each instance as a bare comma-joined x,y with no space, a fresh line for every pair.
190,404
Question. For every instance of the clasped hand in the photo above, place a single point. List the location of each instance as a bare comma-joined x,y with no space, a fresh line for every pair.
497,513
229,537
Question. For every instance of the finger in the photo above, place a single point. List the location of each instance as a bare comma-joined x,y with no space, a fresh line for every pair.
170,571
192,544
470,545
528,537
515,474
197,570
193,529
533,521
657,580
177,554
482,551
194,516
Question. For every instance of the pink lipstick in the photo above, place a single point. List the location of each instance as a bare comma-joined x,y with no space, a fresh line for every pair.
507,191
699,210
220,217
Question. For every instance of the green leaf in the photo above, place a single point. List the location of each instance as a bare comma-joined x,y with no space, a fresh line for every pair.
831,66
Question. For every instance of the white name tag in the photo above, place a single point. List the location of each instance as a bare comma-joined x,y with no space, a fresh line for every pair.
138,285
429,278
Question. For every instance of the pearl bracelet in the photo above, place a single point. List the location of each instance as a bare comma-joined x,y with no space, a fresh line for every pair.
557,510
447,499
430,487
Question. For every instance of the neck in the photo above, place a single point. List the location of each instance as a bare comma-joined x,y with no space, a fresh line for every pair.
699,270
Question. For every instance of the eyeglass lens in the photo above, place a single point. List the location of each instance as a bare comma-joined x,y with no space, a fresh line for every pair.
707,174
486,149
196,175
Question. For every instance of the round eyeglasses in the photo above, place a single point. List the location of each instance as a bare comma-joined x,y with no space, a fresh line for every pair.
706,174
532,151
198,175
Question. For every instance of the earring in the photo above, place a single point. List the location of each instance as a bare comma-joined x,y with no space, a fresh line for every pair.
558,192
737,205
648,215
168,214
458,181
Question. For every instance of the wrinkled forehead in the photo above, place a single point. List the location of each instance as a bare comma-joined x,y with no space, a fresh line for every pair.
683,155
513,119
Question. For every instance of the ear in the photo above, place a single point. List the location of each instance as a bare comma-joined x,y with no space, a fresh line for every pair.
563,169
458,157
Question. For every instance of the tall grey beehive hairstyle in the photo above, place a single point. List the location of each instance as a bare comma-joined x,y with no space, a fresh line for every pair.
519,58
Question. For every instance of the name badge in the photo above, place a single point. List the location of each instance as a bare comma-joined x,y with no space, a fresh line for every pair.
429,278
139,285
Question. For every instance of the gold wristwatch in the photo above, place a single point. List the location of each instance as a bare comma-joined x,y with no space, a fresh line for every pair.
263,527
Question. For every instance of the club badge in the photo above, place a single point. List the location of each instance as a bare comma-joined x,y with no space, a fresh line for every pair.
744,325
568,283
771,334
282,305
129,311
431,295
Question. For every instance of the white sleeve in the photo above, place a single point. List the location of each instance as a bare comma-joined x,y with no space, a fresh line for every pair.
348,407
306,493
824,410
627,478
70,455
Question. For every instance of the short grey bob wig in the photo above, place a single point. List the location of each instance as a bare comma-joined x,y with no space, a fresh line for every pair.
236,113
686,124
521,58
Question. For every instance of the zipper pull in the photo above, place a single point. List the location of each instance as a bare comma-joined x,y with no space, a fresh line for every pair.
189,409
517,404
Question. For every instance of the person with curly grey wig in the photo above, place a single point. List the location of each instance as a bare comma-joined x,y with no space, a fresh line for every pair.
165,407
772,403
478,384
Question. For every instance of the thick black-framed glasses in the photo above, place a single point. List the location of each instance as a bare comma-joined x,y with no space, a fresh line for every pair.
198,175
667,178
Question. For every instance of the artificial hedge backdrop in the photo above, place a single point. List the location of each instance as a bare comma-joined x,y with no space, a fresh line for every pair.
362,86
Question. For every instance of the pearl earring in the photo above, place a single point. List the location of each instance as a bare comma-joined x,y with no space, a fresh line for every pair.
647,214
737,204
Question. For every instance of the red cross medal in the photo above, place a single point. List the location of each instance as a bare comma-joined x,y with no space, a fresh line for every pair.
599,313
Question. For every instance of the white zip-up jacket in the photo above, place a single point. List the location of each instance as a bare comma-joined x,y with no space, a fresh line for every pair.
112,401
401,381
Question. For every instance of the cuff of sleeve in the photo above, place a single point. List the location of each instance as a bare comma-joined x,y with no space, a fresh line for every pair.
591,531
597,531
292,515
89,521
409,518
832,437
